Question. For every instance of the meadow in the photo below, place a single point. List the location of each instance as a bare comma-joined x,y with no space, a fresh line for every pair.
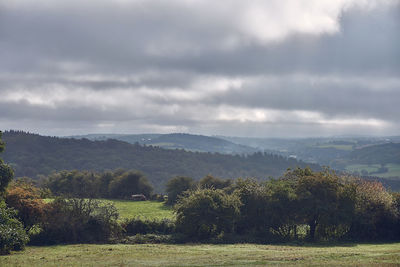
393,169
144,209
206,255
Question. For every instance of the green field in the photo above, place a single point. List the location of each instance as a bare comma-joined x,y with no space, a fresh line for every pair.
340,147
144,209
205,255
394,169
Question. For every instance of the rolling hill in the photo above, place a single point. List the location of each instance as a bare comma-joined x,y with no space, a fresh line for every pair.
376,154
190,142
33,155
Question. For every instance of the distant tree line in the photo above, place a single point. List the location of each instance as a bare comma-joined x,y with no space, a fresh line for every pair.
303,205
118,184
33,155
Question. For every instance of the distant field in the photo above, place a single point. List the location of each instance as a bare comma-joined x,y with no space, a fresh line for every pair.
144,209
340,147
205,255
394,169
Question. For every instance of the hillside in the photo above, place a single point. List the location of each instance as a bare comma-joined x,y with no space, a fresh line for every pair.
376,154
32,155
190,142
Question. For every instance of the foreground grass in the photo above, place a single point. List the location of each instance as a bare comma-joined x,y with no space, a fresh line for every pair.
205,255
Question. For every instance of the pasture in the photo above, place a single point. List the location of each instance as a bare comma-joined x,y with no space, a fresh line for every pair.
145,209
206,255
393,169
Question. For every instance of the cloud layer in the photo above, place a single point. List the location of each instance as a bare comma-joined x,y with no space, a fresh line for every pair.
258,68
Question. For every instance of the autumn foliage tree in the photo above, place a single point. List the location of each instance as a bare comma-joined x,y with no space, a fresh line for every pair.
25,198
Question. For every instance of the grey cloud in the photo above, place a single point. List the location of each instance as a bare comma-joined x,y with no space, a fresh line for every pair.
119,40
339,97
163,46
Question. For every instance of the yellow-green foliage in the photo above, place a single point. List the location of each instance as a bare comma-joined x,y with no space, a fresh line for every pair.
206,255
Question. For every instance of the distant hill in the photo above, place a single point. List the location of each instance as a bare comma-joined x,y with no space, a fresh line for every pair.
376,154
32,155
188,142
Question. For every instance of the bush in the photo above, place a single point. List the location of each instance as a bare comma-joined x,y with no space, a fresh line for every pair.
213,182
12,234
176,186
25,198
149,239
118,184
376,213
207,213
78,220
138,226
128,184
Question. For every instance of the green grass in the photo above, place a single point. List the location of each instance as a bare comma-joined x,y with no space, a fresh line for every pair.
340,147
144,209
394,169
205,255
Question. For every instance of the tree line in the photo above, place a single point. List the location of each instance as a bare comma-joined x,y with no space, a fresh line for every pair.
117,184
33,155
302,204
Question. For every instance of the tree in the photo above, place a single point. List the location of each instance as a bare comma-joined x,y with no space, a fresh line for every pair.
176,186
214,182
281,205
207,213
375,212
25,198
12,233
6,173
321,197
129,183
253,214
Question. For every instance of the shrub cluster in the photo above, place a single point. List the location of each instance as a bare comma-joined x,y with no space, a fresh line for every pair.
12,233
118,184
77,220
26,199
145,226
301,205
179,184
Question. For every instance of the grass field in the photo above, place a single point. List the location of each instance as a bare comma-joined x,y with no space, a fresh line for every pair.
394,169
144,209
205,255
340,147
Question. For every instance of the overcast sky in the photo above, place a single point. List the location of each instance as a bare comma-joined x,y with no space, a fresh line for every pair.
281,68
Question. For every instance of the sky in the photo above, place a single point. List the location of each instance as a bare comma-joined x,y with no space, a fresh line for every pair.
276,68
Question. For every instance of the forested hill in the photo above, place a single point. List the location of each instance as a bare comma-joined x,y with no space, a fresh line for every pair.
189,142
376,154
32,155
